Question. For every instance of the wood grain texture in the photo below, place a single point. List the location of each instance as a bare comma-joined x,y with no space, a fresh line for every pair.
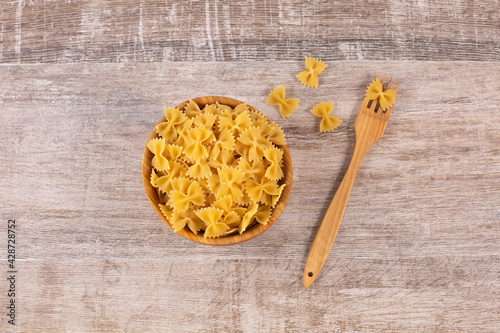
40,31
251,231
418,248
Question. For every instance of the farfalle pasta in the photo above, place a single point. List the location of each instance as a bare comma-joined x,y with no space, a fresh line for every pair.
217,170
309,78
386,97
286,105
328,123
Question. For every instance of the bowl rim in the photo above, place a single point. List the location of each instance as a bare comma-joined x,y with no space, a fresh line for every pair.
237,238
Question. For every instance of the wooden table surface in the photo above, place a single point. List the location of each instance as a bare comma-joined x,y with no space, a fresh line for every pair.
82,84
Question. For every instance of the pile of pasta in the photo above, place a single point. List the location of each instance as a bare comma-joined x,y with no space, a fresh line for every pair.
217,170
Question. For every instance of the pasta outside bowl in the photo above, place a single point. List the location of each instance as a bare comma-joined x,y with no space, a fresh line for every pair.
257,228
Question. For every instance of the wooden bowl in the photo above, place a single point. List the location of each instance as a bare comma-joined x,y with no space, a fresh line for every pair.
254,230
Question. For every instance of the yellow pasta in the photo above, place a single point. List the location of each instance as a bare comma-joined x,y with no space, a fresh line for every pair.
276,136
225,141
240,108
275,197
252,139
274,156
247,218
328,123
309,78
257,189
200,169
263,214
179,220
386,97
196,148
236,125
182,135
254,169
212,217
172,152
206,120
167,129
230,183
286,105
167,212
192,109
224,203
179,200
224,158
164,182
216,169
157,147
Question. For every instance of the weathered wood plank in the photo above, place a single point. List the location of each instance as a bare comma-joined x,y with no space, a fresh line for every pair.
122,31
417,249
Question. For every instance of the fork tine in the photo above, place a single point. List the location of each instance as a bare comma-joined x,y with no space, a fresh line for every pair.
389,83
396,88
377,75
383,80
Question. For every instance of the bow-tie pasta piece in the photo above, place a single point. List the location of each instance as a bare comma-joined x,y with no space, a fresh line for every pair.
328,123
386,97
189,218
222,108
205,120
200,169
224,203
244,200
199,137
276,136
214,184
172,152
274,156
263,214
225,141
180,199
213,109
238,109
217,170
192,109
163,183
264,127
230,183
286,105
232,220
236,125
248,217
167,129
166,212
212,218
309,78
182,133
257,144
257,189
157,147
224,158
275,197
254,169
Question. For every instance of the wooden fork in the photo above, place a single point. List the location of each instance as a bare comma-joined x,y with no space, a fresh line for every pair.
369,126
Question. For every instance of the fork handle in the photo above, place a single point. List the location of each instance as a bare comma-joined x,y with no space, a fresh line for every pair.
325,236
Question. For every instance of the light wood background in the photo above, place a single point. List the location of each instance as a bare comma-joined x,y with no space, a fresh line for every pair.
82,83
